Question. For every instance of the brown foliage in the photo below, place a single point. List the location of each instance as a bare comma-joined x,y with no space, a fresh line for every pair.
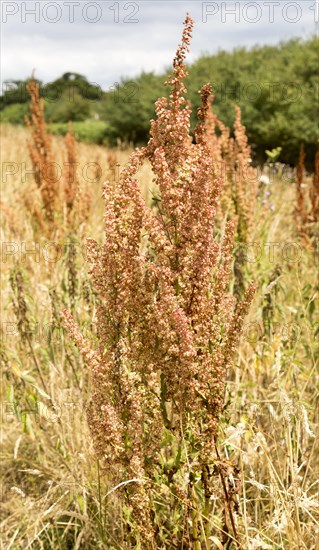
314,193
300,209
41,154
58,202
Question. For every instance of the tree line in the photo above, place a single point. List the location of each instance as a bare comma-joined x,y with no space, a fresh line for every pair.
276,86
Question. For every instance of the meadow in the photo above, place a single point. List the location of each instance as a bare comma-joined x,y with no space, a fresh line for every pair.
123,424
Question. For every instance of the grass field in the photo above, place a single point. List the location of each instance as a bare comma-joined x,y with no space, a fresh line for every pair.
51,489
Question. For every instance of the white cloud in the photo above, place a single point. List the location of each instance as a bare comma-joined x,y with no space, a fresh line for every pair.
106,50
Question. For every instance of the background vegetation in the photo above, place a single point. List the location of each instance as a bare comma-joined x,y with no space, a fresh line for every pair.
276,87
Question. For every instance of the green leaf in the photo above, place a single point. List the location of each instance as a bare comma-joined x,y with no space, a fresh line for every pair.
27,425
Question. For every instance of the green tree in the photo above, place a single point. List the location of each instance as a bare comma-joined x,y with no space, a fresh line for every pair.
129,107
72,107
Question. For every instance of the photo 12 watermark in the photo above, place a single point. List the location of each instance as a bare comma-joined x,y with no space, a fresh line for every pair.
253,12
72,12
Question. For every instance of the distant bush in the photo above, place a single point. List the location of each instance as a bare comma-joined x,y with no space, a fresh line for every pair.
14,113
130,106
90,131
15,91
73,108
70,84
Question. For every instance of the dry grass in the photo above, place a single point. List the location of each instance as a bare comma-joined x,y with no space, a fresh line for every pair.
52,493
49,479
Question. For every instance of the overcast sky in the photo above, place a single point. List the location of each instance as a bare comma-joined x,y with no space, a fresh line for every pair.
105,40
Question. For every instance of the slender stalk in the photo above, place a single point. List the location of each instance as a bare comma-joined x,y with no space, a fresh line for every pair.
37,366
227,501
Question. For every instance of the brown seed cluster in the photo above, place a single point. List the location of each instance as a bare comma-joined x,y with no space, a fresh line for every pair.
64,205
300,210
307,199
41,154
314,193
232,158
